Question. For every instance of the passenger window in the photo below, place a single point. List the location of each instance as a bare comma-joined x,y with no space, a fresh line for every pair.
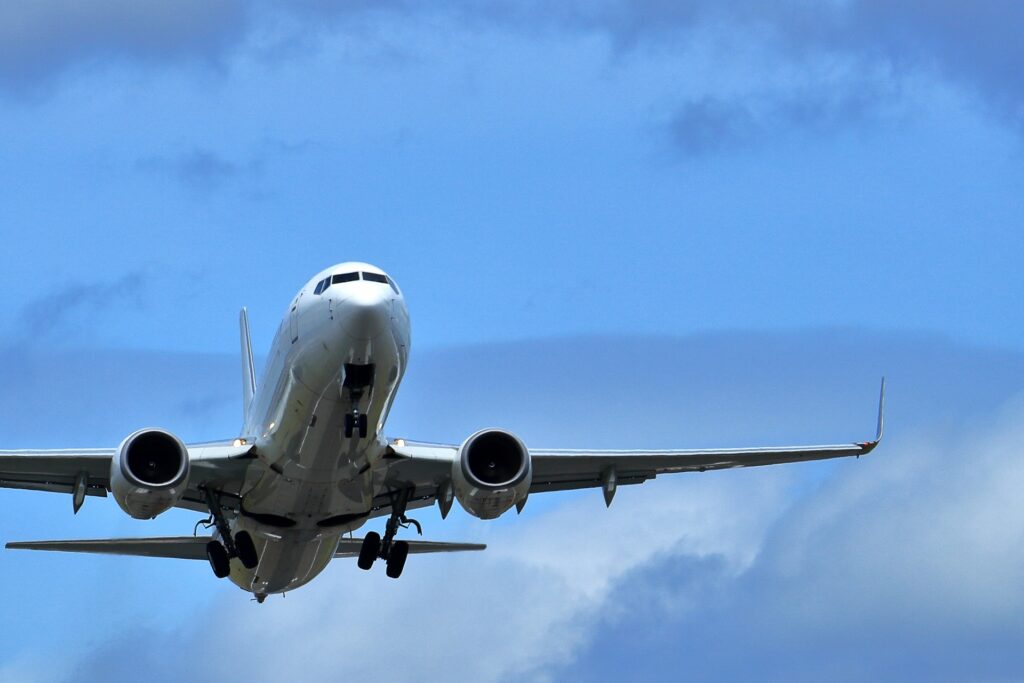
344,277
376,277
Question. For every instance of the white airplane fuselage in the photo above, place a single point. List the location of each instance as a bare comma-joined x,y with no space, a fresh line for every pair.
337,352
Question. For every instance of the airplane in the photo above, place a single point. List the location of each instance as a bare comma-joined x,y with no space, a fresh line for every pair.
312,464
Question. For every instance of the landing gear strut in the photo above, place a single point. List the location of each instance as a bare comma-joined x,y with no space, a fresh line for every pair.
355,422
358,378
239,545
393,552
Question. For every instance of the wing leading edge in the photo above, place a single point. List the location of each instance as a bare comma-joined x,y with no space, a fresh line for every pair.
426,465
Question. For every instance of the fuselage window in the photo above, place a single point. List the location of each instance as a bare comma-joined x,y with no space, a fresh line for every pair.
344,277
376,277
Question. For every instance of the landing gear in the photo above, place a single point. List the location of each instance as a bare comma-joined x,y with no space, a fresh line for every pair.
218,557
357,380
356,422
396,559
368,553
246,550
393,552
239,545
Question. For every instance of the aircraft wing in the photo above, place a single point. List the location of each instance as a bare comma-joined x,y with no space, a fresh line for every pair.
194,547
427,466
178,547
218,465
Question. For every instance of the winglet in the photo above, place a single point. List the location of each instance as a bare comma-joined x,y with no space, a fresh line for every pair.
869,446
248,369
881,412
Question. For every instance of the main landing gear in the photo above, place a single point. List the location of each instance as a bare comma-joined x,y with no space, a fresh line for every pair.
393,552
240,545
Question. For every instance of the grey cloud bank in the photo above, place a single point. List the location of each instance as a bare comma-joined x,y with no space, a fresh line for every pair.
45,38
972,44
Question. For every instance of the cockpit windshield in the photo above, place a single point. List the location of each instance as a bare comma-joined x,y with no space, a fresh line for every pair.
324,284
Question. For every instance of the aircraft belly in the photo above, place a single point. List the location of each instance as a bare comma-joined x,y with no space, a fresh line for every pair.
287,560
314,472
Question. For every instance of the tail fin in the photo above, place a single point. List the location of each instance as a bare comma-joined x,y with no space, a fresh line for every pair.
248,370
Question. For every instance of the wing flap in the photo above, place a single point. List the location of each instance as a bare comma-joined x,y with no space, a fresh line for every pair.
175,547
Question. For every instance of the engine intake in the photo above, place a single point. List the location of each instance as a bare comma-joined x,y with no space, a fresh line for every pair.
491,473
150,473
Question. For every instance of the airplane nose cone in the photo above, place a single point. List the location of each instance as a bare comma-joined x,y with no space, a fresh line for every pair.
366,313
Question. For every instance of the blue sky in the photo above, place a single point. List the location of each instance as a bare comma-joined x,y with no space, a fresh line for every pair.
718,222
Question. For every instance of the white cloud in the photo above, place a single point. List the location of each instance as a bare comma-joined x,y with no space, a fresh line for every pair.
528,603
933,528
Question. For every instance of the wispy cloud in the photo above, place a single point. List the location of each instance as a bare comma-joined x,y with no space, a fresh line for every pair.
713,124
204,170
200,169
68,311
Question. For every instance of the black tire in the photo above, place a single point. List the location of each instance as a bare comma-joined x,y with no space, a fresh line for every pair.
218,557
349,426
363,427
246,550
368,552
396,560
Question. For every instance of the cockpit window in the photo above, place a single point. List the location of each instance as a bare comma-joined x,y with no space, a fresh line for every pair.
394,286
344,277
319,287
376,277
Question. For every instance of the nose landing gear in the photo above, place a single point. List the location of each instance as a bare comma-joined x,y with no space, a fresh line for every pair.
355,422
393,552
358,379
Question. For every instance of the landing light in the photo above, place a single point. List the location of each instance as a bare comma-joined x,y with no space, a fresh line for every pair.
400,443
239,442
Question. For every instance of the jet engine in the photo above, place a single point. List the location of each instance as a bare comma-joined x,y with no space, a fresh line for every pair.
149,474
491,473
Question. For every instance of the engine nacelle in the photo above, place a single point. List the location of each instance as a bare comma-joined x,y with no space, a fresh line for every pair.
491,473
150,473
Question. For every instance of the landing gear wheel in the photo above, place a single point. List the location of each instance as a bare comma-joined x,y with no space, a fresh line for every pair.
217,554
368,553
362,426
350,423
396,559
246,550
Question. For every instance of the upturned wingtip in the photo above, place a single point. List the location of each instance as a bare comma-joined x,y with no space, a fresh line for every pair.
881,413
